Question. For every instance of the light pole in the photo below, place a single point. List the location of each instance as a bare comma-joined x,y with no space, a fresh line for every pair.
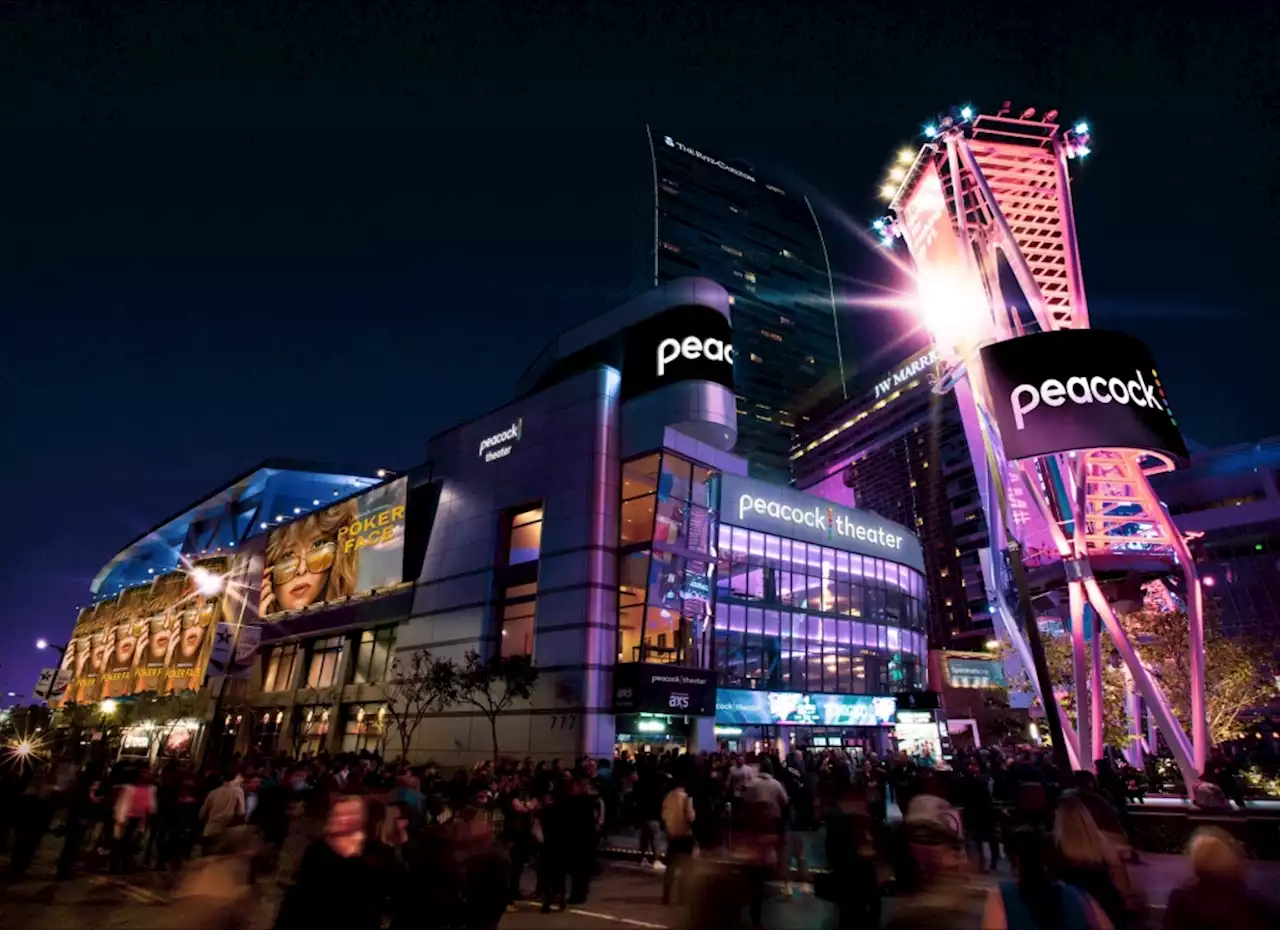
53,680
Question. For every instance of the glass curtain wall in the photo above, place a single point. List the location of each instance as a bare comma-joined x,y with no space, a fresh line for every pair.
664,592
792,616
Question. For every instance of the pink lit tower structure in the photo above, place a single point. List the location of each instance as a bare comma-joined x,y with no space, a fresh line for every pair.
1067,423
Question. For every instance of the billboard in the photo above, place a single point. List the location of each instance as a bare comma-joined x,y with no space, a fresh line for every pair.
157,637
792,514
967,672
1078,389
352,547
951,299
792,708
689,343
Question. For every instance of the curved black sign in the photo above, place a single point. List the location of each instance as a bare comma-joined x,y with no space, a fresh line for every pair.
1078,389
688,343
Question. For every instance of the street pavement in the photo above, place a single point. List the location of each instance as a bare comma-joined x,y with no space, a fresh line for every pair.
625,895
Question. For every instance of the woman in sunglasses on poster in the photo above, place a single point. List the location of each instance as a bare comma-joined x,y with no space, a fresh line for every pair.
305,564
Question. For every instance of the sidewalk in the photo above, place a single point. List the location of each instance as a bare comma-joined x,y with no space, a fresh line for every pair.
1157,876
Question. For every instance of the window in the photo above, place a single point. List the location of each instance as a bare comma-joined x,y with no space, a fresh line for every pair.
323,666
365,727
526,537
517,628
373,657
663,596
772,335
637,520
639,497
310,730
279,667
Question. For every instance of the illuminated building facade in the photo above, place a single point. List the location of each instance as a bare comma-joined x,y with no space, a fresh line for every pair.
764,245
899,450
1067,425
599,524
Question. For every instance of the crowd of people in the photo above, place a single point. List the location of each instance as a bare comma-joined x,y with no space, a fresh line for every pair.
357,842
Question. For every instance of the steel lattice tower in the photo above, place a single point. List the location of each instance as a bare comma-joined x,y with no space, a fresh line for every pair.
985,210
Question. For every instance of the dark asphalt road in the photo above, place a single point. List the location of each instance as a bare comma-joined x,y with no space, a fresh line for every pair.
626,895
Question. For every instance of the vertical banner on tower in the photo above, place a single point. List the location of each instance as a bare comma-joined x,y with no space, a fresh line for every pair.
951,299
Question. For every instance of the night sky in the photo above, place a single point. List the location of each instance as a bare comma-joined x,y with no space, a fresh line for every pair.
228,236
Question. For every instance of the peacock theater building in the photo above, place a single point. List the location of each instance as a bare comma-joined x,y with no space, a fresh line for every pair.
598,523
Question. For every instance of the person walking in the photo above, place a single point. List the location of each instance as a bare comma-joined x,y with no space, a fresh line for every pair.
850,884
1034,900
33,810
135,806
81,811
1088,860
1217,895
554,852
581,826
334,885
678,817
215,892
223,807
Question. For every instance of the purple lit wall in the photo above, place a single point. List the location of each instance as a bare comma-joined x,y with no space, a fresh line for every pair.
832,488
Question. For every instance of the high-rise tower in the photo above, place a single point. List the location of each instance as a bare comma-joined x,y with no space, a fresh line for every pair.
985,210
764,245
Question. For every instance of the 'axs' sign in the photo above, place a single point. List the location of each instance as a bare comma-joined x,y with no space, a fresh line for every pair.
1078,389
688,343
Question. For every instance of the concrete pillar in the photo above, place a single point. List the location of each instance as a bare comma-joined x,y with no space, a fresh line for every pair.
702,735
333,739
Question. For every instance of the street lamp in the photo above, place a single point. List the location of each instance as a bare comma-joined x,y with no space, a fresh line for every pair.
108,707
43,643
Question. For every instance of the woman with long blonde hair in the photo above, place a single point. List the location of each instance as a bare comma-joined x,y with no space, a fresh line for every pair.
307,564
1089,861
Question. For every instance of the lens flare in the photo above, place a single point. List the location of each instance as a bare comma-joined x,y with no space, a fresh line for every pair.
23,751
206,581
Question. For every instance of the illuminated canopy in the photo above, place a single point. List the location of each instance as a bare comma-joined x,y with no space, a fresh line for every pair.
238,511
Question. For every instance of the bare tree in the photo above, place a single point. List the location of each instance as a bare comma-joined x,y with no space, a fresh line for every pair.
493,686
420,685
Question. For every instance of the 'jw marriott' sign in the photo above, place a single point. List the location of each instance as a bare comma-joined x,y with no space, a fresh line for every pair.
916,366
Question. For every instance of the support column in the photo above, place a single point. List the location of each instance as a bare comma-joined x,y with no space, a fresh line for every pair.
1133,716
1151,693
702,735
1195,637
1079,675
1096,707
